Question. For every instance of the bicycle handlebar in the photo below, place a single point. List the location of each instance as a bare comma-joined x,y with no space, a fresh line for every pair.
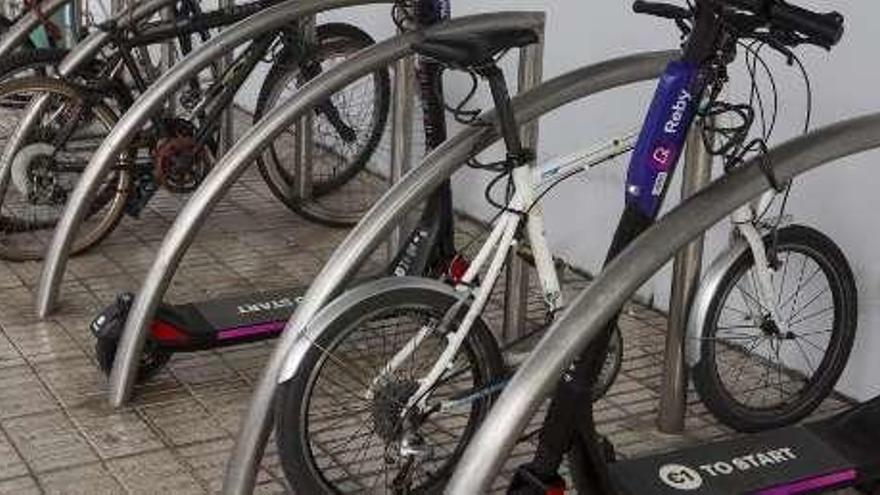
824,30
659,9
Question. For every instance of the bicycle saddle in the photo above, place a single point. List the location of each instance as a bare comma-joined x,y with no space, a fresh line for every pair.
473,49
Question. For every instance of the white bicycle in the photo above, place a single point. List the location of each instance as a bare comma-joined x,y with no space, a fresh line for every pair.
402,370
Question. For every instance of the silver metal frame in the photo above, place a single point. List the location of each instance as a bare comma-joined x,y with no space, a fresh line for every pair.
537,377
696,174
127,127
19,31
531,71
377,224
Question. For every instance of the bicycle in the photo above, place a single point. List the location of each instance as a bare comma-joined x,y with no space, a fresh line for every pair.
420,313
715,31
176,152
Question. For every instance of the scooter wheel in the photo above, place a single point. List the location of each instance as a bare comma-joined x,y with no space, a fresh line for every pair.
153,358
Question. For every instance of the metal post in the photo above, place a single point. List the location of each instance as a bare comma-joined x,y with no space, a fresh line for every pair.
516,293
302,160
401,133
77,22
590,311
696,175
227,131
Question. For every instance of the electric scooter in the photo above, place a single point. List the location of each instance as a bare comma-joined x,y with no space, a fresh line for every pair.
195,326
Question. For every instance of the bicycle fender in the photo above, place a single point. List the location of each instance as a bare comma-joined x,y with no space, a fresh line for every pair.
707,291
343,303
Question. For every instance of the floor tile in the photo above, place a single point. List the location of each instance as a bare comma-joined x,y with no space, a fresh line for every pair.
49,441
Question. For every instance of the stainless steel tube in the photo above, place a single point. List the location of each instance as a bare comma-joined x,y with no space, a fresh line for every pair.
401,132
19,31
128,126
305,146
696,174
227,132
535,379
516,283
413,189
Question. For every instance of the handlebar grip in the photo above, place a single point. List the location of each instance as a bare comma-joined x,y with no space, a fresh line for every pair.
823,29
659,9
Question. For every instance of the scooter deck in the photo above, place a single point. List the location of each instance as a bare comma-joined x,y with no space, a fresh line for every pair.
840,451
787,461
234,319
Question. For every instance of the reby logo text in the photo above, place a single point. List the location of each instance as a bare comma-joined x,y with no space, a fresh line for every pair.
673,125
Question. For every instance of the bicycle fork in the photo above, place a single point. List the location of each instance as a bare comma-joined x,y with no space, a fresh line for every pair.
743,219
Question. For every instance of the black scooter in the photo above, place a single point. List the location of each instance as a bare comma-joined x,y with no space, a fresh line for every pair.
195,326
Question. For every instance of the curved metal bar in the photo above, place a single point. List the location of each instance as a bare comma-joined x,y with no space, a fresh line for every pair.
88,47
409,192
78,55
128,126
230,168
594,306
18,32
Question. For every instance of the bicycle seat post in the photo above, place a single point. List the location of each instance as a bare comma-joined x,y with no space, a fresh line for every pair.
507,121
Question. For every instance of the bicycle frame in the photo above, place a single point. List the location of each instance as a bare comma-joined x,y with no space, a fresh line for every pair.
530,183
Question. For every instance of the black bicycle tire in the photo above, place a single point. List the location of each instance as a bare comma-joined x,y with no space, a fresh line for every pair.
297,464
277,74
125,180
829,257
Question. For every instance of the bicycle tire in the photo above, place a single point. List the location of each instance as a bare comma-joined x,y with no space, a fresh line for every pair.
294,398
333,39
718,397
113,195
611,366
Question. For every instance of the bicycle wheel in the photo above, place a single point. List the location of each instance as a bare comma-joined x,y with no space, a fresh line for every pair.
755,373
339,425
346,130
46,168
611,366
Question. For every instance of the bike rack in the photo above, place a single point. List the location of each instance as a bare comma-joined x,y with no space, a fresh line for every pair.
19,31
126,128
230,168
589,312
686,270
413,189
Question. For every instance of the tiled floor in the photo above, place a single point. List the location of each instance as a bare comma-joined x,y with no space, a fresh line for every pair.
57,434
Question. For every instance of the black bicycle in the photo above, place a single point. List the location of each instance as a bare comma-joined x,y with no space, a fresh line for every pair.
178,148
715,31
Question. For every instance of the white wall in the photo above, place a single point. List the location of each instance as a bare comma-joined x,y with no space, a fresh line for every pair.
583,212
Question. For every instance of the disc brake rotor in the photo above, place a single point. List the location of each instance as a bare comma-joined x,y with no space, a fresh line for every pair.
33,174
